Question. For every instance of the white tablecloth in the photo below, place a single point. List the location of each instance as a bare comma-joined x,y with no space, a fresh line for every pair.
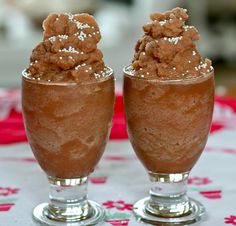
120,180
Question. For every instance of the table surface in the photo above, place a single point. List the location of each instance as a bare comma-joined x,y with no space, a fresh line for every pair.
120,179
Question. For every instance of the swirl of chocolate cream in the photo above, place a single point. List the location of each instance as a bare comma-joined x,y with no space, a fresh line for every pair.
69,50
168,50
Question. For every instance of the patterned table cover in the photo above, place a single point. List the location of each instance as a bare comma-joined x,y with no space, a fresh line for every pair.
119,179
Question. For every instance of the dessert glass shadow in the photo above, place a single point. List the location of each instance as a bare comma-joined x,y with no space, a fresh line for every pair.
168,124
68,125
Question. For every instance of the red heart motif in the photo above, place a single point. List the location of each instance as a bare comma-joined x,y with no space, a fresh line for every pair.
215,194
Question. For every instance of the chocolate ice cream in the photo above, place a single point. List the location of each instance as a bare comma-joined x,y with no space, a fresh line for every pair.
168,95
68,97
168,49
69,50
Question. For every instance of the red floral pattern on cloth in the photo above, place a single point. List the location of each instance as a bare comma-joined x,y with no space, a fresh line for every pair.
230,220
118,222
9,99
5,207
224,114
8,191
221,150
213,194
98,179
119,205
120,158
118,130
13,159
7,204
12,128
11,122
199,181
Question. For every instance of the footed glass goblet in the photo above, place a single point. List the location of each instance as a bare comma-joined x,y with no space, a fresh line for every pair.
67,125
168,125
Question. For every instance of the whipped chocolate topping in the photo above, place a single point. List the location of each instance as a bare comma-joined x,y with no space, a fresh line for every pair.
69,50
168,49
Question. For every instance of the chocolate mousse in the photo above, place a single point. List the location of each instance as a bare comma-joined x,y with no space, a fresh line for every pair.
168,95
68,97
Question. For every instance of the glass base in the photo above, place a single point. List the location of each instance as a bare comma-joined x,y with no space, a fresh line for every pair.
93,217
194,215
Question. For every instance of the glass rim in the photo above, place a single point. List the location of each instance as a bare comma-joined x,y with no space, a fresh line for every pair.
166,81
25,76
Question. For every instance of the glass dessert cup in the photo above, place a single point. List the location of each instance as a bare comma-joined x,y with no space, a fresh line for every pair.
67,126
168,124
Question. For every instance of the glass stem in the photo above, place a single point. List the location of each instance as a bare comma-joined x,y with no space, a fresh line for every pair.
68,199
168,196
